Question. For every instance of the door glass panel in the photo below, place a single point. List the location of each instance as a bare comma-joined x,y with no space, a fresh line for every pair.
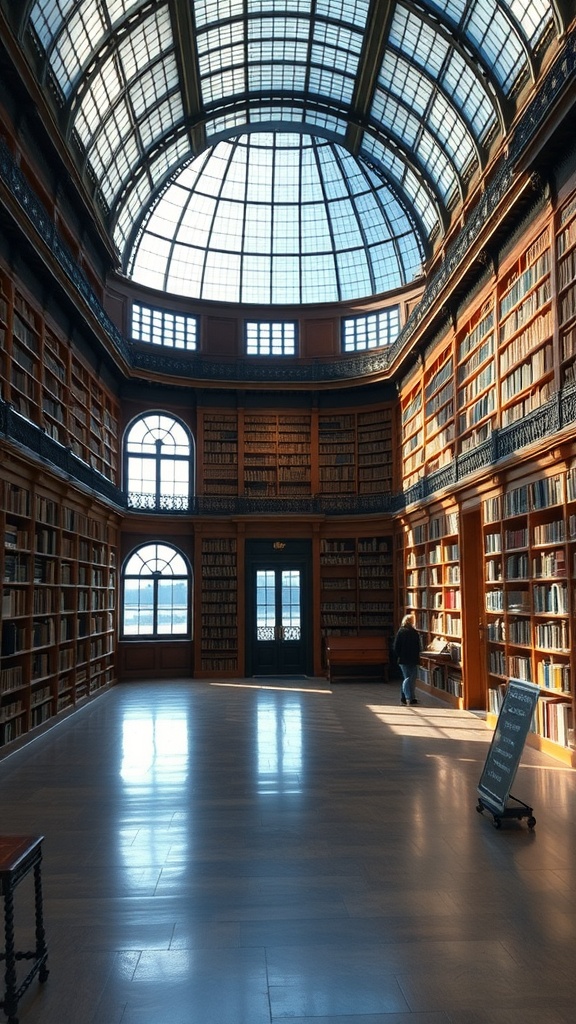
265,604
291,604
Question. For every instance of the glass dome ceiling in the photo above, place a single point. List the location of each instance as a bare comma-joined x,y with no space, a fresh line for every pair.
277,218
282,150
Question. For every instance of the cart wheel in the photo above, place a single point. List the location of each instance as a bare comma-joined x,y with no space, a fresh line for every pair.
531,821
497,822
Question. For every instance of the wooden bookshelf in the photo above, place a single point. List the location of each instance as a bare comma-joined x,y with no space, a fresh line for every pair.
375,445
23,347
412,420
433,595
260,445
502,365
337,453
477,397
339,584
5,332
439,420
416,561
525,332
566,280
277,454
218,473
296,454
50,385
218,606
356,584
529,601
58,605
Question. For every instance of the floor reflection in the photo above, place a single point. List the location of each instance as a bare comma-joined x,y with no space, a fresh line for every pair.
155,749
279,744
155,776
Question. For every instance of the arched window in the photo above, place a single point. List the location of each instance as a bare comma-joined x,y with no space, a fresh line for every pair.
156,588
158,453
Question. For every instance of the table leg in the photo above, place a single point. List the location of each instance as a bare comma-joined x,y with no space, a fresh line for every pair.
10,1000
41,950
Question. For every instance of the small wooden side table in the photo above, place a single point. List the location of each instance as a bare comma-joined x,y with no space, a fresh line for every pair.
18,856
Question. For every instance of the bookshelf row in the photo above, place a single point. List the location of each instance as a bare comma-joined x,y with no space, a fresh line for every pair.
58,605
529,542
431,557
503,360
48,384
219,605
356,585
292,455
523,594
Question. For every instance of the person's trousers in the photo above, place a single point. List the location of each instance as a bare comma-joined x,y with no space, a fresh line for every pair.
409,673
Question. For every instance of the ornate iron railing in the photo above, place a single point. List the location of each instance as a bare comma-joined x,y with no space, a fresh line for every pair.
24,434
556,415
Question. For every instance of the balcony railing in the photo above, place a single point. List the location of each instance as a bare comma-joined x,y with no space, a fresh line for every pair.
556,415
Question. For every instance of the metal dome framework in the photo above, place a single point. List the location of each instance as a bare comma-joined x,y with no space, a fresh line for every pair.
366,120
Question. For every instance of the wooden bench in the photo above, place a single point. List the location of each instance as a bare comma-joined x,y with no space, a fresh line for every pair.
357,657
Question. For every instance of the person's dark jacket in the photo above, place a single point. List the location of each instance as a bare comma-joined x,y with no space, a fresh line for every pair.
407,646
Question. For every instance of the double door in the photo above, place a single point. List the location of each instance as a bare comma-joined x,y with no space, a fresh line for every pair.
278,613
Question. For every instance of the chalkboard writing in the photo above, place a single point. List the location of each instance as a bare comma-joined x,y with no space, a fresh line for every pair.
507,743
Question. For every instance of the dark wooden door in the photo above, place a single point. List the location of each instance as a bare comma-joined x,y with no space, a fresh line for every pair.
277,609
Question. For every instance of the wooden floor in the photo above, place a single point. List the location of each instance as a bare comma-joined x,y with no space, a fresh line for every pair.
273,850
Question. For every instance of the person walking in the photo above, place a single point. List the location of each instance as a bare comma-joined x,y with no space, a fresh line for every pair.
407,651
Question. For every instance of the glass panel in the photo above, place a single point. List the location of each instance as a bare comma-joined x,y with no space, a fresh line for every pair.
291,604
172,612
427,47
265,604
174,478
150,432
141,475
138,618
495,28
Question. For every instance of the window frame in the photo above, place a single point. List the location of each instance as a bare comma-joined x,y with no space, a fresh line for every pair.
158,321
377,323
274,329
157,501
156,576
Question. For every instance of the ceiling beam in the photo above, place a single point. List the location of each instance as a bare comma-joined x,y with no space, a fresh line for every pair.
375,39
187,59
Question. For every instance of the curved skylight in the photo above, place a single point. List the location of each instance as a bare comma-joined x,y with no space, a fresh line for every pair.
283,218
161,97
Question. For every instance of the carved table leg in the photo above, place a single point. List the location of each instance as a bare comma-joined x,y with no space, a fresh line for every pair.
41,950
10,1000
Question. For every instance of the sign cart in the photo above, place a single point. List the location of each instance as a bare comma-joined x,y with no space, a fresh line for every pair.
504,755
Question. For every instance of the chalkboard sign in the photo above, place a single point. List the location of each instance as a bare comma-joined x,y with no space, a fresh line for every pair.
507,743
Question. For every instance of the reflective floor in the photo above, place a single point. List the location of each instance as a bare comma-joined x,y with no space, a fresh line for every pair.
263,851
